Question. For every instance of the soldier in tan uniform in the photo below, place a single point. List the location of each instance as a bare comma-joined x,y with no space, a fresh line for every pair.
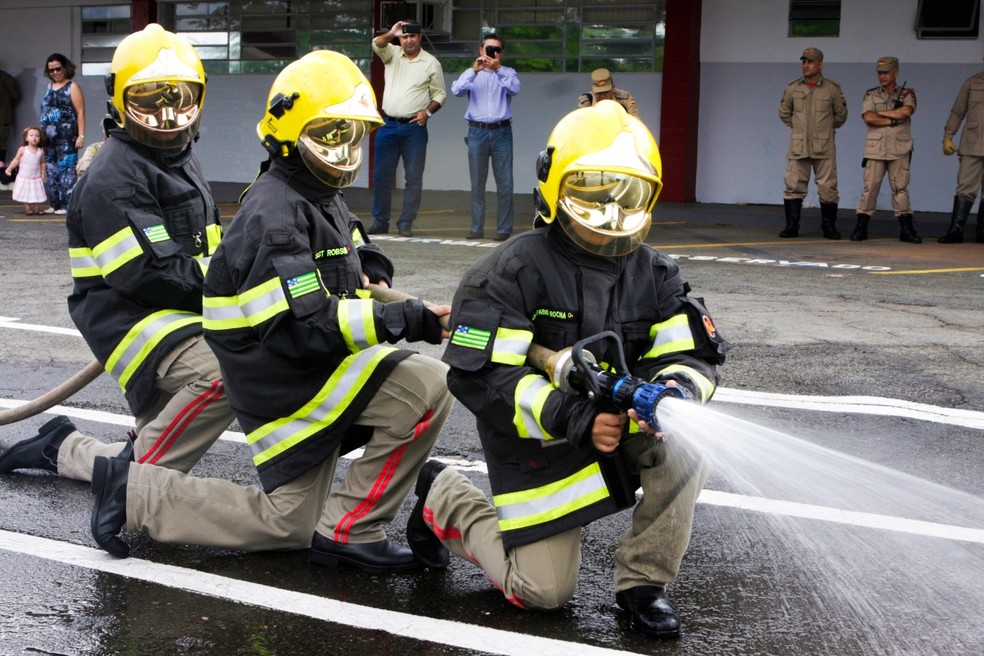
813,106
970,175
603,88
886,111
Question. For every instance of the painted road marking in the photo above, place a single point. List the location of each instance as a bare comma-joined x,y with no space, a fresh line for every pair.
445,632
917,271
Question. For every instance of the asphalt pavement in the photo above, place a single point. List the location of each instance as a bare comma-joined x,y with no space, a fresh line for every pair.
844,513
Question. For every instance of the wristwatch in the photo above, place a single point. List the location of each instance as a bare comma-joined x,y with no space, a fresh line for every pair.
428,112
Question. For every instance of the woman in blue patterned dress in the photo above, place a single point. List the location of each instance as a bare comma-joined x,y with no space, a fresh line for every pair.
63,122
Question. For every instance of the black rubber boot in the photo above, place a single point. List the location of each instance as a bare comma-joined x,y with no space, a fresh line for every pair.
793,207
958,221
109,479
861,229
40,451
908,232
828,220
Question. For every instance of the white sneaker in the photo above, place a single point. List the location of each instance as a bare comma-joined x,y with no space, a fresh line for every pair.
62,211
50,210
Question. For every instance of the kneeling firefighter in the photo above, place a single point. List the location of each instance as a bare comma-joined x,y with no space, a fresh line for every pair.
554,456
304,350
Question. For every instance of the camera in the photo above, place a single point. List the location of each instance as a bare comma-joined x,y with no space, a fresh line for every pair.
491,51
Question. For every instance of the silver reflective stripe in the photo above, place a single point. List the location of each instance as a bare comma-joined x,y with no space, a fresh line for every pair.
338,398
563,499
528,406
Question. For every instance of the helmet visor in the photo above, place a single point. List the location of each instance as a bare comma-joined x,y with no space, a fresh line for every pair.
163,114
332,149
607,212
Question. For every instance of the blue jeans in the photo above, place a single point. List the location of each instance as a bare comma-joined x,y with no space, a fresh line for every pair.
497,144
393,141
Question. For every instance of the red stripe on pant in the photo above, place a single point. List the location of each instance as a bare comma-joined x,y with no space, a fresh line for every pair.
181,422
382,481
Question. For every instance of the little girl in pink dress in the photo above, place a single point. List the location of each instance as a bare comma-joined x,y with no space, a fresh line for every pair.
29,185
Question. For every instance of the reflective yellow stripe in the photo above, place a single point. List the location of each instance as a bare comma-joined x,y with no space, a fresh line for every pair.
511,346
671,336
530,397
357,238
249,309
203,263
320,412
143,338
213,235
83,264
116,251
704,385
543,504
357,321
222,313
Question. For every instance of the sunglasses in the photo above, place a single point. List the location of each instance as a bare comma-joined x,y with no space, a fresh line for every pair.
58,69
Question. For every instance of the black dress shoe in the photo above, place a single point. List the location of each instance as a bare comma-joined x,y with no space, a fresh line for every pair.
424,544
650,610
378,228
476,235
382,556
502,236
40,451
405,231
109,479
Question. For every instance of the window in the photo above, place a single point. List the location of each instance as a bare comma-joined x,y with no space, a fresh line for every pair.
956,19
102,30
560,35
263,36
814,17
259,36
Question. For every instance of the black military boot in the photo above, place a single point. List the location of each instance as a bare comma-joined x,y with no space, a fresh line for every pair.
40,451
980,229
908,232
793,207
828,219
424,544
650,610
109,479
861,229
958,221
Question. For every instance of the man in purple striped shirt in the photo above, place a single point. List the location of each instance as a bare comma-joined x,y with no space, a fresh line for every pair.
490,87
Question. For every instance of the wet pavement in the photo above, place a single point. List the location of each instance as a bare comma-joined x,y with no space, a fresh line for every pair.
811,319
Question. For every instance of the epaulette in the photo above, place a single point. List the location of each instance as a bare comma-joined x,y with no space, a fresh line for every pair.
622,93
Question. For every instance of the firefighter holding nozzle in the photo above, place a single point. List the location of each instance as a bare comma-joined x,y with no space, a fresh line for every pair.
556,459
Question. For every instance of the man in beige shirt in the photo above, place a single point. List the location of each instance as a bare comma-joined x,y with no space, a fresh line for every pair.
886,111
813,106
970,174
414,91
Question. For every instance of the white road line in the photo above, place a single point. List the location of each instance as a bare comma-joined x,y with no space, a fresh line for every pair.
445,632
14,322
837,516
864,405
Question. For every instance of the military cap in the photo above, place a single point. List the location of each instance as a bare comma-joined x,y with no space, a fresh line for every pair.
886,64
601,80
813,54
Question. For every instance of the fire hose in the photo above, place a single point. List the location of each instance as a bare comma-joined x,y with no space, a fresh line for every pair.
572,369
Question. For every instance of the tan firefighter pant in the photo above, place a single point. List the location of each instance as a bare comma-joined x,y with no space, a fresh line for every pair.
407,413
543,575
192,411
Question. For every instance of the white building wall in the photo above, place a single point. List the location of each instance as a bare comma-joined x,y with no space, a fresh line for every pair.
746,61
742,143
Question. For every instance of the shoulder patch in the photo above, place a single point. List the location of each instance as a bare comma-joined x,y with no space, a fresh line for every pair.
471,337
303,284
